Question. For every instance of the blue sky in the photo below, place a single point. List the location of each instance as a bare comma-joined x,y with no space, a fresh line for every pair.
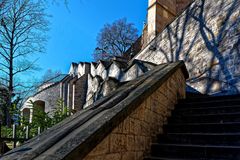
72,35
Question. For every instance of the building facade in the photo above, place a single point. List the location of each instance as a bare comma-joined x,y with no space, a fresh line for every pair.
204,34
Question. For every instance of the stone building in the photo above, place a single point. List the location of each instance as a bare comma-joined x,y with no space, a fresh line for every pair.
85,83
204,36
127,105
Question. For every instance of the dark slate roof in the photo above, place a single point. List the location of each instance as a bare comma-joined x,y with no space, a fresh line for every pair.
99,78
119,58
74,135
58,78
74,64
121,64
84,63
105,63
94,63
142,64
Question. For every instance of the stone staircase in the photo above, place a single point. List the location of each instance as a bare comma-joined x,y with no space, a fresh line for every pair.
201,128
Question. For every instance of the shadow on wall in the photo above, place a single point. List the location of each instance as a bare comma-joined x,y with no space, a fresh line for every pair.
207,38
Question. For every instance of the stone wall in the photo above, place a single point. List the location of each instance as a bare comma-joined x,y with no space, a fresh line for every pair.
132,138
181,5
206,37
49,95
161,13
70,102
80,92
66,90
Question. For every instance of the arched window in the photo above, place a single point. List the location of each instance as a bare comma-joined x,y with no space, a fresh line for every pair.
26,114
39,105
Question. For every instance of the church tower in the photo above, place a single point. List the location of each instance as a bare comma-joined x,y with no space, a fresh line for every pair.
161,13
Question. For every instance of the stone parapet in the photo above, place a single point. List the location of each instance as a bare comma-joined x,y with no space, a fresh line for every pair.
120,125
131,139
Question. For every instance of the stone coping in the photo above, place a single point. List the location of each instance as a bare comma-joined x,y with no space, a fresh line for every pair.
52,85
77,135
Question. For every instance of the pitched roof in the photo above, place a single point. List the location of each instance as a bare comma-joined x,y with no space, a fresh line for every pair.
57,78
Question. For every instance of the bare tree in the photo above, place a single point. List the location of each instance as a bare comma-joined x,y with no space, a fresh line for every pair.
115,39
60,1
50,74
22,33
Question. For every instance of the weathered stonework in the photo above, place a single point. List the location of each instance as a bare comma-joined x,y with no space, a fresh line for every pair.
71,93
118,71
80,90
125,120
206,37
128,119
48,97
87,83
131,139
161,13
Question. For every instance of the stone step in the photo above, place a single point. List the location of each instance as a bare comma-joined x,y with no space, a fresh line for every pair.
228,127
209,103
164,158
205,98
206,118
195,151
232,139
201,128
190,95
206,110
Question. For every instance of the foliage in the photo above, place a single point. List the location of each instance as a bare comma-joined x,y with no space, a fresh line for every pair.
40,119
22,33
60,113
115,39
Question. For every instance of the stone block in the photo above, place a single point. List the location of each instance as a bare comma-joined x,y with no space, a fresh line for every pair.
129,155
101,149
140,143
95,158
132,138
118,143
134,126
130,142
144,129
114,156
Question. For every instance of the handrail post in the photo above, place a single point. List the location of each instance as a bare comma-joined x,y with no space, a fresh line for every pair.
14,136
27,133
39,130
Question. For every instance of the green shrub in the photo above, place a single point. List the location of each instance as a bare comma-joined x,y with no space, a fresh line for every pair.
39,119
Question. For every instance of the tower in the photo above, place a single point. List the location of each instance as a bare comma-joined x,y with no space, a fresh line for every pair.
161,13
